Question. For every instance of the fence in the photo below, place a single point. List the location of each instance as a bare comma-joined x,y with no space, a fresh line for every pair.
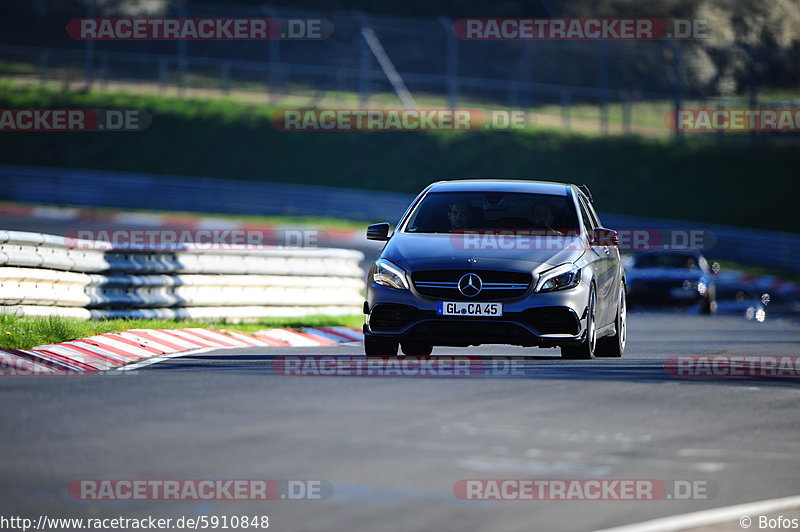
368,59
52,275
372,59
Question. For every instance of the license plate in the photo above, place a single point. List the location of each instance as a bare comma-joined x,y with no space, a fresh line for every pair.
463,308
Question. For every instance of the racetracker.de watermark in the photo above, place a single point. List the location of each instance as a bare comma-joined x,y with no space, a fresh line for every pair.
15,366
594,489
580,29
198,29
626,240
400,119
60,120
158,489
733,366
195,239
393,366
782,120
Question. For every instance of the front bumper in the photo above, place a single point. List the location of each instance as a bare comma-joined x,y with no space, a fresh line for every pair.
544,320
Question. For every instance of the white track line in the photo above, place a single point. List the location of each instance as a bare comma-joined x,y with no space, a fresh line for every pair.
161,358
710,517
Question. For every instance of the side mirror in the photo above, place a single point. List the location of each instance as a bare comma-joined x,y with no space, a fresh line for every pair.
378,231
604,237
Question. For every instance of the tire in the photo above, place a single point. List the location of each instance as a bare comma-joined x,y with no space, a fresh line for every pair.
614,346
585,350
380,347
416,349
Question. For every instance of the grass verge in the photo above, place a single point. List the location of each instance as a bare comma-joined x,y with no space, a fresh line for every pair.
310,221
740,183
24,333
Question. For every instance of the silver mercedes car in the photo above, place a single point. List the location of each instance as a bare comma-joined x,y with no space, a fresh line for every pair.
489,261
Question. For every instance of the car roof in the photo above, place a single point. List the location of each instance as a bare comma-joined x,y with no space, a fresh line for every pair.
501,185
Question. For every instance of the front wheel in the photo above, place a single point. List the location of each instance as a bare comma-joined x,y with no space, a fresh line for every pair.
380,347
614,346
585,350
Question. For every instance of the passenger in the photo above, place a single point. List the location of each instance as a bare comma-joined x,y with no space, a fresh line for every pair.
544,219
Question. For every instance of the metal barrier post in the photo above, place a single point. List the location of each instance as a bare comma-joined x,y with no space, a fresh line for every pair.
43,60
451,58
565,108
89,48
183,47
274,72
364,61
225,73
602,73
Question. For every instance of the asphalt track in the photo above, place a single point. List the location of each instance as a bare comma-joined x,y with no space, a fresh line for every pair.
393,447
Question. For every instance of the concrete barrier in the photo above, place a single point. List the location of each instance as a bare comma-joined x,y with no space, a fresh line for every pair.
52,275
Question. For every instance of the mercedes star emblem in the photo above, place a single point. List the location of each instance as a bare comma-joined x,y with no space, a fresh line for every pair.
470,285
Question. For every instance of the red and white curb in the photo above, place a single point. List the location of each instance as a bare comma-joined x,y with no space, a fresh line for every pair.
145,219
135,348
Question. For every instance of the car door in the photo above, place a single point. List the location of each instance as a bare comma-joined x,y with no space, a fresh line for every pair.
606,264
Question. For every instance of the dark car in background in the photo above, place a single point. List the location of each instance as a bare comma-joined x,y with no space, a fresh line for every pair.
673,278
497,262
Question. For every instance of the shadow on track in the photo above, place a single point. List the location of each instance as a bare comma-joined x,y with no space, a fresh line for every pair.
466,367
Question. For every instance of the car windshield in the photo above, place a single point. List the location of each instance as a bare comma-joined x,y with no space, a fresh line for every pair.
678,261
492,211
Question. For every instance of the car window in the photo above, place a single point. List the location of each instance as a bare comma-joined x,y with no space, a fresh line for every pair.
445,212
593,213
588,222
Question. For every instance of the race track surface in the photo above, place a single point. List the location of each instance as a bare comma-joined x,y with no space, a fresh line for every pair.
392,448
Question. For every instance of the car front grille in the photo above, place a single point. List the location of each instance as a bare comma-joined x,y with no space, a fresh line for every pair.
443,284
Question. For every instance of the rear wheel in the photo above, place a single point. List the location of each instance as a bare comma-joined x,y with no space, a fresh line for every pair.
585,349
378,347
614,346
416,349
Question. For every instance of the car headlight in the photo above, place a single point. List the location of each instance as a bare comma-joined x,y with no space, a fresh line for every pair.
559,278
391,275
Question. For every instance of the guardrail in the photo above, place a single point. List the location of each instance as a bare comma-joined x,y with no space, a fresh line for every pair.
52,275
199,194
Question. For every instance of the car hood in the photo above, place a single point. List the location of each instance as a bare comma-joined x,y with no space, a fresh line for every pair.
448,251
